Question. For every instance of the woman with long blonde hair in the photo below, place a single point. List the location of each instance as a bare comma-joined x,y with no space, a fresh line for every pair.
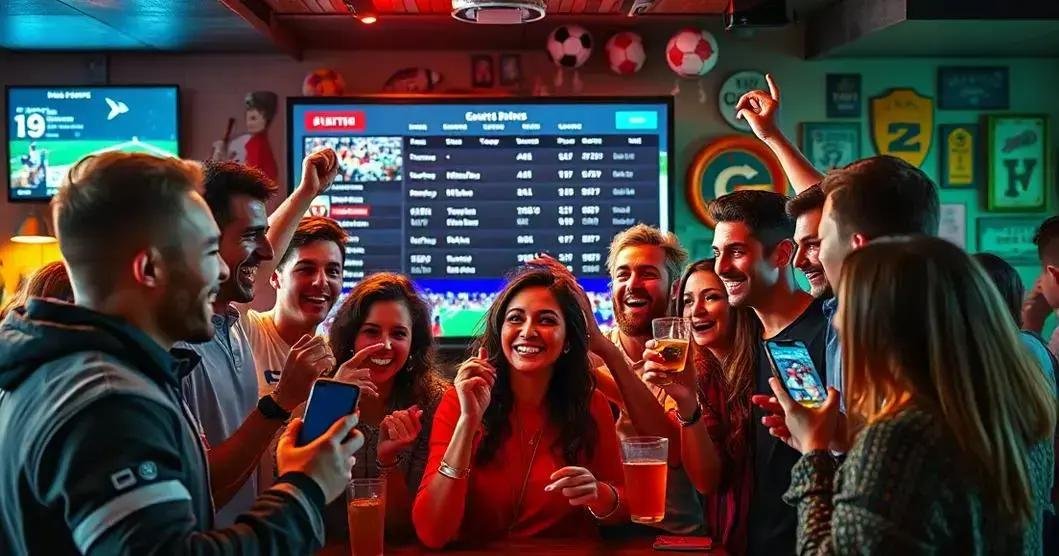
955,455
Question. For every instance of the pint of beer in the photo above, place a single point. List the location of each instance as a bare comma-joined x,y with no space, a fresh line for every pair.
672,335
366,511
644,461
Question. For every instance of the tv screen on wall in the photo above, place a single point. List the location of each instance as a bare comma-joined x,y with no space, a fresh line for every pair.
457,192
51,128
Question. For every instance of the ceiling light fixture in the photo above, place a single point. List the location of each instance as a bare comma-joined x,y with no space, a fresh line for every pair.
498,12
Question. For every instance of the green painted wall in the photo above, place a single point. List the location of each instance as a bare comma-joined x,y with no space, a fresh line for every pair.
1033,86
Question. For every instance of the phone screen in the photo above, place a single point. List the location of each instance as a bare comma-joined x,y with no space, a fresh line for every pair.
329,401
794,367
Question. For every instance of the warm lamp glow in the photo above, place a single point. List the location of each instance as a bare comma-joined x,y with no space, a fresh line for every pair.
368,19
33,230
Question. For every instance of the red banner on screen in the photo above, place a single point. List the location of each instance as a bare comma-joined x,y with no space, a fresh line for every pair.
334,120
350,211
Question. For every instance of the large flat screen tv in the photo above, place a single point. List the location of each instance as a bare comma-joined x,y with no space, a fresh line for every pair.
51,128
456,192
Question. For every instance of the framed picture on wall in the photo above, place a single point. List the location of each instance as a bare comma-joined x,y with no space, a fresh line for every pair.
510,70
953,223
1019,169
830,145
973,88
482,71
1010,238
959,161
843,95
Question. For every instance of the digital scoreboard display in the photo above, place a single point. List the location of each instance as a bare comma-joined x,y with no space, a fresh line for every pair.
457,192
51,128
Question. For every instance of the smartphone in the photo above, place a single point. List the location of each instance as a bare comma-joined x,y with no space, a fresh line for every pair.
669,542
329,401
792,364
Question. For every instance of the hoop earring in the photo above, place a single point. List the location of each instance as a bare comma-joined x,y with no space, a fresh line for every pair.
566,349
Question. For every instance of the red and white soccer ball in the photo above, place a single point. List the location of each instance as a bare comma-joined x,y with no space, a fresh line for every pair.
323,82
625,53
569,46
692,53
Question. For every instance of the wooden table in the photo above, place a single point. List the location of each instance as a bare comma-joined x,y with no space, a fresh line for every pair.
558,547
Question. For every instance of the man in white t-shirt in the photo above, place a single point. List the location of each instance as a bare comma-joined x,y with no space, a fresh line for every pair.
308,281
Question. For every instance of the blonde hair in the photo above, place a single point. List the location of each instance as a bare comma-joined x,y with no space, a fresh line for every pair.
642,234
921,322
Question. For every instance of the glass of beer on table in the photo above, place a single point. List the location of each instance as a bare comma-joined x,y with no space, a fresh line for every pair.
671,336
366,511
644,459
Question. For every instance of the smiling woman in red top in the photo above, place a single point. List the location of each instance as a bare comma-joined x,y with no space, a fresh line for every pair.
523,439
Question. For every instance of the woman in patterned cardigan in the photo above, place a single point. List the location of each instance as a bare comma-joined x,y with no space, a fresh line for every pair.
955,455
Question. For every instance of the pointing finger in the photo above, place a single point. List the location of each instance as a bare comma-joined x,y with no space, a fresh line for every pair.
774,90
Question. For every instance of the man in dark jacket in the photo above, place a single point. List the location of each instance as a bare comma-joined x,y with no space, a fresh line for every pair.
101,455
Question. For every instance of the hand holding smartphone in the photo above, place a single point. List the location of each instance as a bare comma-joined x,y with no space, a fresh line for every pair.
792,364
329,401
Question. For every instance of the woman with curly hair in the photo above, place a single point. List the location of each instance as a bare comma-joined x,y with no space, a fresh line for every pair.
524,438
399,387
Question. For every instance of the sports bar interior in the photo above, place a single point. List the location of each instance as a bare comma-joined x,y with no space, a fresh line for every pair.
452,143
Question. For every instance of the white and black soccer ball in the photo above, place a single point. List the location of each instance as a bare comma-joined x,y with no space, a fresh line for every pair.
569,46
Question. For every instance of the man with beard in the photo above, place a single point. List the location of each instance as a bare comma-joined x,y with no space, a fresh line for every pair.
222,391
753,250
103,457
805,209
643,264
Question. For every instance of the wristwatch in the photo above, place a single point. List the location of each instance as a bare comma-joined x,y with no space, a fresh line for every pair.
271,410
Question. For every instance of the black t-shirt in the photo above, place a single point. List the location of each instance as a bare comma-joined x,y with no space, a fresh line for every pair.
773,524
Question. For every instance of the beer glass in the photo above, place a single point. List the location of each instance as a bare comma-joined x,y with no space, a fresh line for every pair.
366,512
644,460
672,335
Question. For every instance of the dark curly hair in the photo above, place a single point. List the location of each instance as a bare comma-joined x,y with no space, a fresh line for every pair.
570,389
413,383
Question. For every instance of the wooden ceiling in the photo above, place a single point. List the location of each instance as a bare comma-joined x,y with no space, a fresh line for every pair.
436,7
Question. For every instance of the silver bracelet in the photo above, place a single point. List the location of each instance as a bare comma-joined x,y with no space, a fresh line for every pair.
617,504
453,473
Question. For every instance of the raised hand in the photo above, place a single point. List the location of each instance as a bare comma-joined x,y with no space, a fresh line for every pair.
761,110
353,372
328,460
319,170
308,359
474,386
398,431
680,386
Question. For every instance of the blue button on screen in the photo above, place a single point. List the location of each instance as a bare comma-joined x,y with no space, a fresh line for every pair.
636,120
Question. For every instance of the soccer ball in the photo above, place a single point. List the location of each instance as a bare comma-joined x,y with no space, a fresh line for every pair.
323,82
692,53
625,53
569,46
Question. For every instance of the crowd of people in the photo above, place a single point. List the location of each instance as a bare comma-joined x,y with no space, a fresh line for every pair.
149,409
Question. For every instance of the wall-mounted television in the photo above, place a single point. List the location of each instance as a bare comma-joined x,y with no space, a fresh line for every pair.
456,192
51,128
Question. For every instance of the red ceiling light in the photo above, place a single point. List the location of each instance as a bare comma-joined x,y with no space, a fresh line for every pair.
363,10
